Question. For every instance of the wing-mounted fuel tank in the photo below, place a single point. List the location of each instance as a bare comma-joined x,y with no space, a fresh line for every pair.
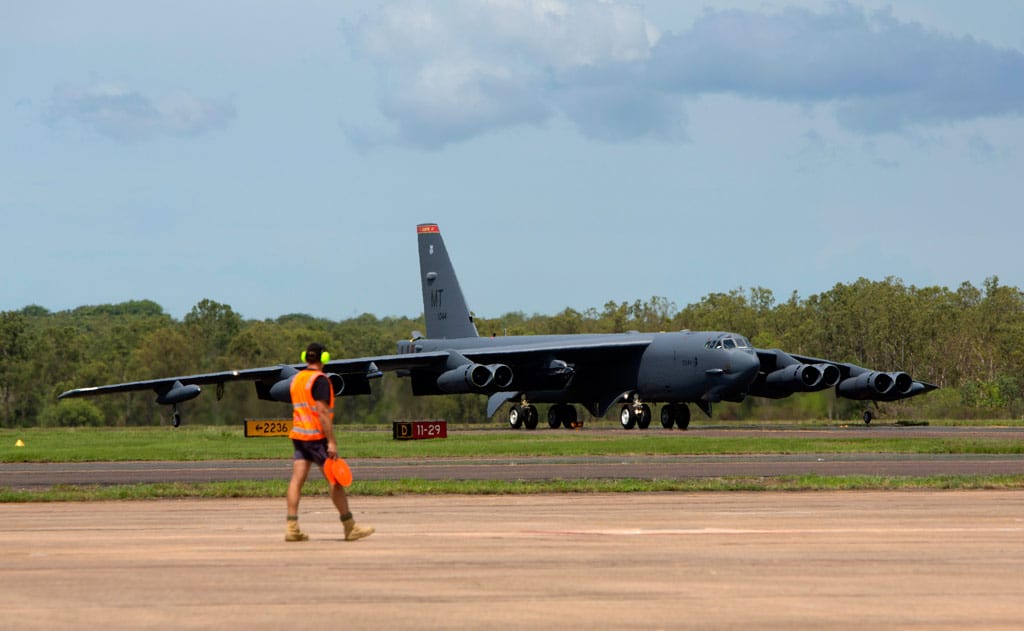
177,393
280,390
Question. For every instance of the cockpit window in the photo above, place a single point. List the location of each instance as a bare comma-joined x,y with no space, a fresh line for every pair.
726,342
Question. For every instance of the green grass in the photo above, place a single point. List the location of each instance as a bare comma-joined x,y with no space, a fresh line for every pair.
276,489
218,443
228,443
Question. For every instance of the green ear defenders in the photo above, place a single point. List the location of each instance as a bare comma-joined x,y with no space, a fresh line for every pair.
324,357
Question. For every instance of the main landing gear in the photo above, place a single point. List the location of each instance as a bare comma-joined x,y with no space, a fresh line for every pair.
563,415
677,414
639,415
522,415
525,414
635,414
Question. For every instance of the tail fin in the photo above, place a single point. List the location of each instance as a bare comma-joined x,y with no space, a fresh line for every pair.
444,307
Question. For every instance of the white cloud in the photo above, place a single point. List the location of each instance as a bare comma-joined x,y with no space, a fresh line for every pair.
118,112
449,74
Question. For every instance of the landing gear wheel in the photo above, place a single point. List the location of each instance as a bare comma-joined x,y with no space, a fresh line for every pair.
530,417
555,416
176,417
643,419
677,414
682,416
867,417
627,417
515,417
668,416
562,415
571,420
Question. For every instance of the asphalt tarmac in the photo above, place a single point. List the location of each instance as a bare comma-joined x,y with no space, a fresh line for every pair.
768,560
42,475
824,560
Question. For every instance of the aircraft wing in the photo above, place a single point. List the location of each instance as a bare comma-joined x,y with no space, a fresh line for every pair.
458,354
562,348
164,384
170,390
369,367
351,376
481,365
785,373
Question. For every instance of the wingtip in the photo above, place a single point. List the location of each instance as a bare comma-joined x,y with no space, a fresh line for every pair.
75,392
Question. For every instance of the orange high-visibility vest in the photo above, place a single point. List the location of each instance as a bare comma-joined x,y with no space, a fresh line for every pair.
305,420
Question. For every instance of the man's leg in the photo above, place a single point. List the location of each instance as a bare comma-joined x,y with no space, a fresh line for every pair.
353,531
340,498
300,470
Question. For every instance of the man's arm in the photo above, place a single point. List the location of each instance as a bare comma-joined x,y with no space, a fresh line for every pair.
326,415
321,395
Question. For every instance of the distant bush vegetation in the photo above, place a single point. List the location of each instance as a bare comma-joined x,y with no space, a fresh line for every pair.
969,341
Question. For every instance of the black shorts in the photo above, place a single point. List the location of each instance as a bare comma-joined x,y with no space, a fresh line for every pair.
311,450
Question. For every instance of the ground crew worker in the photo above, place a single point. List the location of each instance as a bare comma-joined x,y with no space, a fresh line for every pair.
313,438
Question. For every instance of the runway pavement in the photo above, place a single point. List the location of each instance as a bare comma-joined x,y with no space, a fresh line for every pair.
837,560
846,560
42,475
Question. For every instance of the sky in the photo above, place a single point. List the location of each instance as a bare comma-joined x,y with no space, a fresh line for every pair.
276,157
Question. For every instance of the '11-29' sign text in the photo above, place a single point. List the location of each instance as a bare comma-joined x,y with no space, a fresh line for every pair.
413,430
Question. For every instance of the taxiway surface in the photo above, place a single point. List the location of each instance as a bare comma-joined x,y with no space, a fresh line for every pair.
35,475
839,560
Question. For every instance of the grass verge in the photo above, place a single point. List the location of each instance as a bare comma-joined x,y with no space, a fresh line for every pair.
276,489
227,443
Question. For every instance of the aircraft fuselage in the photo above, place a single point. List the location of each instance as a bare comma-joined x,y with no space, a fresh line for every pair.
675,367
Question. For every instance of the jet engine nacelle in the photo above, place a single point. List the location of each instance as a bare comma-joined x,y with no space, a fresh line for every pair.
872,385
178,394
502,375
901,382
474,378
282,390
804,377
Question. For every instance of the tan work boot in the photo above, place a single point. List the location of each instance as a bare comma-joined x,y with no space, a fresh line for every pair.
292,532
354,531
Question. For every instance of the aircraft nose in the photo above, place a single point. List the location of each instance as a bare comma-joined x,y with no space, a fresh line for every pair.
745,366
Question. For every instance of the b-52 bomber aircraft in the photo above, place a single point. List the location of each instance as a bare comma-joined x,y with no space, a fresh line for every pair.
595,371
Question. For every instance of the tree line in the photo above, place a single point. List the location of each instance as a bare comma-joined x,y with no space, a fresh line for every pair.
969,341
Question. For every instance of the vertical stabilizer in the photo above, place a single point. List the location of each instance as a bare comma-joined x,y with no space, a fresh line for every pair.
444,307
